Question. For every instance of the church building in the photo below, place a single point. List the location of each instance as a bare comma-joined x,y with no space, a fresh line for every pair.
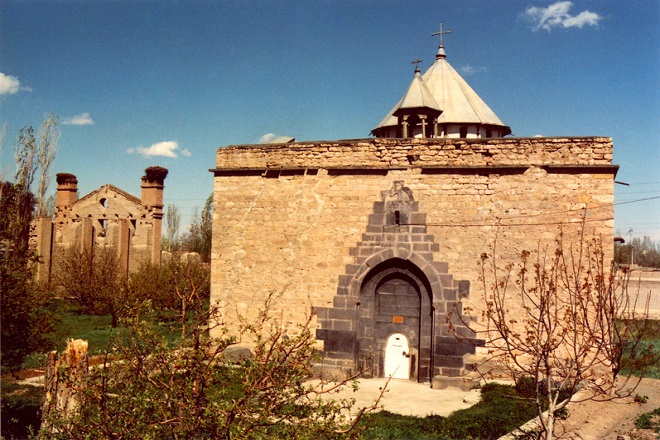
108,217
380,238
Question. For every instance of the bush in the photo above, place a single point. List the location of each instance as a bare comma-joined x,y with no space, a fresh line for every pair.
163,284
95,279
188,388
97,282
641,355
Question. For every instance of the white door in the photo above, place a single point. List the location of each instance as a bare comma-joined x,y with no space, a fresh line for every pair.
397,357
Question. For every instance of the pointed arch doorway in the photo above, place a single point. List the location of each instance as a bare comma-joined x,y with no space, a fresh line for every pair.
394,331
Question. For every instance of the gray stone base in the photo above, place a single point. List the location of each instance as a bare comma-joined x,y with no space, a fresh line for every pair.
329,373
462,383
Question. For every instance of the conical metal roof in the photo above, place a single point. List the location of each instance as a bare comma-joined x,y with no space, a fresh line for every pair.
417,96
458,102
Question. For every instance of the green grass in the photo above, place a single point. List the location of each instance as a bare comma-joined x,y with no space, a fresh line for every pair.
500,411
649,420
73,323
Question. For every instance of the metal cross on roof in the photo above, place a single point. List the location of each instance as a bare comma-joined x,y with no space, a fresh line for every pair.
416,63
441,33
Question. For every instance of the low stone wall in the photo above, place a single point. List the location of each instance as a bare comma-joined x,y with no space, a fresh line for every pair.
393,153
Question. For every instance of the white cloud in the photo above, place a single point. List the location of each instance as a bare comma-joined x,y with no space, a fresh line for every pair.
469,70
272,138
81,119
557,15
164,149
10,85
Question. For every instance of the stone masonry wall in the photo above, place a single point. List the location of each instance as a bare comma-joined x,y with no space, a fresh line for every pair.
106,218
288,219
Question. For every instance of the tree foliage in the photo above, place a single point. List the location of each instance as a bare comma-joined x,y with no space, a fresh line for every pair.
199,234
35,154
47,141
95,279
164,285
554,318
642,252
172,224
25,322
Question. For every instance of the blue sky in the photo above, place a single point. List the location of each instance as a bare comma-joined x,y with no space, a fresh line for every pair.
142,83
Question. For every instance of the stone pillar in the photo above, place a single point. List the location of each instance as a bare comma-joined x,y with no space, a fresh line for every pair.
44,247
123,240
424,124
86,242
67,190
152,198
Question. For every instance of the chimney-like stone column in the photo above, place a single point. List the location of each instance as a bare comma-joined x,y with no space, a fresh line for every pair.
152,186
67,190
152,199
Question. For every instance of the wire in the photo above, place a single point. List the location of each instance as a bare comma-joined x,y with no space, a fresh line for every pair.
479,225
498,221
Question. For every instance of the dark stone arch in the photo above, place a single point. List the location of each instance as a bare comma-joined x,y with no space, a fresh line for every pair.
397,249
395,296
405,258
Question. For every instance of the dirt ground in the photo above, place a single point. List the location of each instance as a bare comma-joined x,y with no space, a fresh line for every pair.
611,420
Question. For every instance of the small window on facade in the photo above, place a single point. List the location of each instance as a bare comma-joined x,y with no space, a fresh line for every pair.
489,133
104,226
104,202
463,132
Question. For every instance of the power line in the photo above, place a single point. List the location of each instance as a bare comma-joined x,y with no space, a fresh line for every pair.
498,221
498,224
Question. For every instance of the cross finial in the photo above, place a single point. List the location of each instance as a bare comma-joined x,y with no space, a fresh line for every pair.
416,63
441,33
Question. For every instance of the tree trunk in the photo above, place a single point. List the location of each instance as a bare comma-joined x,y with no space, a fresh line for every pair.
65,382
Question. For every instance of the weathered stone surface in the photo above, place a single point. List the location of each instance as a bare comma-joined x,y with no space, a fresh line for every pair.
308,222
463,383
107,217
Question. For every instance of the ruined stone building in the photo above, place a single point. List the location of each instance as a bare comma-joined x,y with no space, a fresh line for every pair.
105,218
380,238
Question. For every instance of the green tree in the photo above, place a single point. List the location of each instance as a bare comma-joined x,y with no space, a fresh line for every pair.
172,223
35,154
642,252
161,285
25,322
199,235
